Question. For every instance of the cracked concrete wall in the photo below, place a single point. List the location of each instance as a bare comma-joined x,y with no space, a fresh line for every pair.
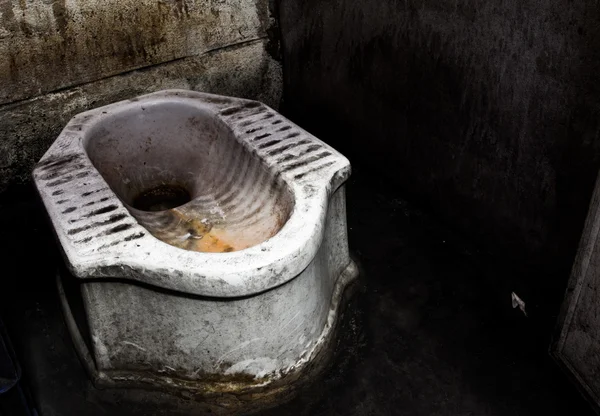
487,112
61,57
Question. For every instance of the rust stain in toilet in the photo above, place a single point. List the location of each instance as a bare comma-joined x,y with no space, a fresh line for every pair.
210,243
213,226
205,237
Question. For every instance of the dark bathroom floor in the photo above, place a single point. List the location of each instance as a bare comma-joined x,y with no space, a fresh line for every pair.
430,331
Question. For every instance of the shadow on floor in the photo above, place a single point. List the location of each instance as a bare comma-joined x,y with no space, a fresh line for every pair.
431,330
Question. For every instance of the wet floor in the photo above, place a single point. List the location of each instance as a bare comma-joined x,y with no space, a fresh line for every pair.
431,330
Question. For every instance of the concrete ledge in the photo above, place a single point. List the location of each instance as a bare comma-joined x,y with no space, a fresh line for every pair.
28,127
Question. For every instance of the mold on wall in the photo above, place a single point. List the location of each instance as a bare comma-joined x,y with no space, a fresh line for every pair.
487,112
61,57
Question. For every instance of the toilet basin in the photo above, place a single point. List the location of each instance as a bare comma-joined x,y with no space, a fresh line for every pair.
207,236
192,184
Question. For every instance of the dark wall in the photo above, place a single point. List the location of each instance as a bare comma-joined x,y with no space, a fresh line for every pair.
486,112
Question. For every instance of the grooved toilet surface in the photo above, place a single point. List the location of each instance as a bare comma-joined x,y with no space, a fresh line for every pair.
233,158
258,187
433,332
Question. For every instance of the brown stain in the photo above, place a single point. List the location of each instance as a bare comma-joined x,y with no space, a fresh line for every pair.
181,9
187,231
202,236
206,383
59,10
108,37
211,243
237,393
7,19
25,27
242,393
12,67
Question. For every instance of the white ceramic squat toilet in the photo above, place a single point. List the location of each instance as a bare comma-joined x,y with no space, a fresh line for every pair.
208,235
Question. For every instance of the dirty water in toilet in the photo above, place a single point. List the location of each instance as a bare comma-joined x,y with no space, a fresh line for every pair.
169,214
162,197
187,178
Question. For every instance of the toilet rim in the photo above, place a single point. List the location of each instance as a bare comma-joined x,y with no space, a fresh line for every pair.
151,261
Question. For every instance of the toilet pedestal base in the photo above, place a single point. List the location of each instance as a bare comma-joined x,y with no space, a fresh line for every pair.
227,395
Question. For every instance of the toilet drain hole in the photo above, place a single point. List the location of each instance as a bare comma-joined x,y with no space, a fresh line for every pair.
161,198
